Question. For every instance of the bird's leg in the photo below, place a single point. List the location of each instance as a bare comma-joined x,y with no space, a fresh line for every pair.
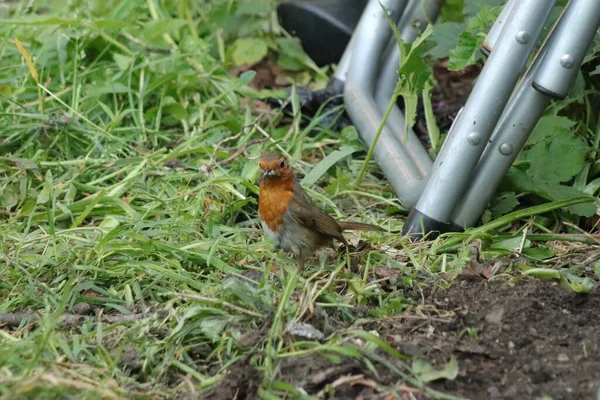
300,262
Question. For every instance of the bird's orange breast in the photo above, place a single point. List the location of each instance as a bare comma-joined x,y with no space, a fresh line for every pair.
273,202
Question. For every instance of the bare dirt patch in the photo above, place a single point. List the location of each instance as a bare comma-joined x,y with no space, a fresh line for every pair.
521,341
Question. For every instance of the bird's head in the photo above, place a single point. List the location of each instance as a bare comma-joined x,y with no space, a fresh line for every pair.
275,168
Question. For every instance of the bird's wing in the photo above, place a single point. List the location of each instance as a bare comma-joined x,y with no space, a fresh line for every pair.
304,212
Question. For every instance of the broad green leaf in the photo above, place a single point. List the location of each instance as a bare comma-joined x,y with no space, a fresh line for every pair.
562,192
566,279
254,7
413,72
471,7
539,253
503,203
9,197
176,110
452,11
108,224
549,126
122,61
592,187
576,283
425,372
247,76
323,166
155,29
445,36
521,182
249,51
292,56
577,91
556,159
212,327
467,51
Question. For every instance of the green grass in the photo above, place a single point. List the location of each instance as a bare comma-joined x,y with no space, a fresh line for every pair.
114,193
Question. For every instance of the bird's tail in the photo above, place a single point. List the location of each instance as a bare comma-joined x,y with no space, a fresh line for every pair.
357,226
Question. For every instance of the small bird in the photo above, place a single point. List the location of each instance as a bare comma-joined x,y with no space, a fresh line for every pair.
289,217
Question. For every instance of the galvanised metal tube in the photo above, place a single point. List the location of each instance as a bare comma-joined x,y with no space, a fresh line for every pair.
470,134
567,49
372,35
579,22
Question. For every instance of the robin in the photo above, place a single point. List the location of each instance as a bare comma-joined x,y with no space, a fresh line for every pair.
289,217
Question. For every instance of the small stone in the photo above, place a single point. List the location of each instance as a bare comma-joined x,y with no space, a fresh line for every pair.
82,309
562,357
430,330
304,331
495,316
511,345
493,391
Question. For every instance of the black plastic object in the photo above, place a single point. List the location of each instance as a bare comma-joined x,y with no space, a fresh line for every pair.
419,225
325,99
323,26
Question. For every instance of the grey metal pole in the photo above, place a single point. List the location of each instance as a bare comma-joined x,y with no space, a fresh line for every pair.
372,34
567,50
571,36
472,129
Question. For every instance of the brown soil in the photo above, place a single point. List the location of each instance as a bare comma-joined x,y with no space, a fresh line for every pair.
522,341
533,339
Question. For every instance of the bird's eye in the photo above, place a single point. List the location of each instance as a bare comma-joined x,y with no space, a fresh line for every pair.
282,164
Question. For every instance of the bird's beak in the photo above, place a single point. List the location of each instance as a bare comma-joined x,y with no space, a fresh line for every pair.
264,174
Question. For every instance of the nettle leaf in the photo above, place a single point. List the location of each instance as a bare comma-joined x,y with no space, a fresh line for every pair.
519,181
577,91
595,52
249,51
413,72
562,192
452,11
472,6
503,204
557,157
549,126
445,36
467,52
